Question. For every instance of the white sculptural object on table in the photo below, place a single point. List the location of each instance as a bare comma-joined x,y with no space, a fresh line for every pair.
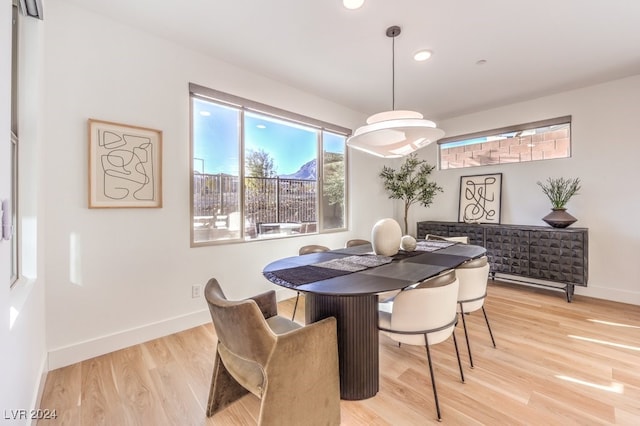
408,243
385,237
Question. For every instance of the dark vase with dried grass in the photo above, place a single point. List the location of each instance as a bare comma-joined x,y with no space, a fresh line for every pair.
560,191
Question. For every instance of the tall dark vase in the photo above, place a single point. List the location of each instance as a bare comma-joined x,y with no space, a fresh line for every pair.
559,218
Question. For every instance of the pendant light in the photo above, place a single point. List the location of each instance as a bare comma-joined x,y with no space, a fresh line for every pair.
395,133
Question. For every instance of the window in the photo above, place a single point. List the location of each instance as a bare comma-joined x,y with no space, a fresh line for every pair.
541,140
14,145
260,172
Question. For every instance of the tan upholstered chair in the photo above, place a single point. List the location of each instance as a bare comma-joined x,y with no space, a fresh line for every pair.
311,248
356,242
424,315
292,369
473,276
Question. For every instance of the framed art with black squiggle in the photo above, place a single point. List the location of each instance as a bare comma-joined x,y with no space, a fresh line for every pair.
480,198
125,165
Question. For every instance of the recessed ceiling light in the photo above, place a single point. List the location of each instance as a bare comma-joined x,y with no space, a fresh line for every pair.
481,62
261,126
422,55
352,4
205,113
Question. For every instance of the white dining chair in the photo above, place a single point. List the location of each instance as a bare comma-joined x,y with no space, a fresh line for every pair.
473,276
424,315
458,239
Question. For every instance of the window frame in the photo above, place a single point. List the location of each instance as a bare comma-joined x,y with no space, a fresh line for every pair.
567,119
244,105
15,263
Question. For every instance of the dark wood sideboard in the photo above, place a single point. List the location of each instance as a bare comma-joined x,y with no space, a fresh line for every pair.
556,256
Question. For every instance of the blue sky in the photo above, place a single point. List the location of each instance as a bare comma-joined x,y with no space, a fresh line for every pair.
289,145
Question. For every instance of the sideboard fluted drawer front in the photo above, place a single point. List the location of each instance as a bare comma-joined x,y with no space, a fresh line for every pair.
475,234
557,255
425,228
508,250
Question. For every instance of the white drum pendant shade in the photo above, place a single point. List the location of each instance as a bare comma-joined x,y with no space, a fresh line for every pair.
394,133
385,237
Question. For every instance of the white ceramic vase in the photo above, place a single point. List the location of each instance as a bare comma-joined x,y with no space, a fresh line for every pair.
385,237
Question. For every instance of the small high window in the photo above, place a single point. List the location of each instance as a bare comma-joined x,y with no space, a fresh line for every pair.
540,140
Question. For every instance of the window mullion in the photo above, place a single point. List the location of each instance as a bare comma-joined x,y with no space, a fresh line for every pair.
320,180
241,174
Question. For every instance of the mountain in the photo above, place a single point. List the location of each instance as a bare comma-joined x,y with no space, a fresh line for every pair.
308,171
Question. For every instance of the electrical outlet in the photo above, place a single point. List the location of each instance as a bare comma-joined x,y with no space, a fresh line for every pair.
195,291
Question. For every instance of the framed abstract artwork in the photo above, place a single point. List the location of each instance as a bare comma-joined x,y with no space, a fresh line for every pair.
480,198
125,165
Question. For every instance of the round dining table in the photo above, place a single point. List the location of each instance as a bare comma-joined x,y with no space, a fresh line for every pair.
345,284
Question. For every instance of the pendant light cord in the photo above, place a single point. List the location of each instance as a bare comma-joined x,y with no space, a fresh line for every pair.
393,32
393,73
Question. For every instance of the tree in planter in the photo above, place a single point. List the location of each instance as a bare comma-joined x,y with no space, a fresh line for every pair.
410,184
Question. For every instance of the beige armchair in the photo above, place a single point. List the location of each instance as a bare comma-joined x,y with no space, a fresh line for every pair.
292,369
356,242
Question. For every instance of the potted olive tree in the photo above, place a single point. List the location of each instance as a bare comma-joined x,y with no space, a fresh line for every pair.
410,183
559,191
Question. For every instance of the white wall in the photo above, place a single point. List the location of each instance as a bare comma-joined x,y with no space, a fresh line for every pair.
605,156
22,329
116,277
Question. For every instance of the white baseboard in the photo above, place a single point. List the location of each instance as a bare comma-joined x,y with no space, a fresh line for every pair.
606,293
70,354
613,294
39,388
67,355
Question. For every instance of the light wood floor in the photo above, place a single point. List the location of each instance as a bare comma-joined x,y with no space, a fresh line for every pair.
556,363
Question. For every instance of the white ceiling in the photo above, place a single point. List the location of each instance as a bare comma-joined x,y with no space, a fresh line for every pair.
532,47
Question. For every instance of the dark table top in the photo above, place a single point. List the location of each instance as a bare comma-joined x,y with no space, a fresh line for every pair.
406,268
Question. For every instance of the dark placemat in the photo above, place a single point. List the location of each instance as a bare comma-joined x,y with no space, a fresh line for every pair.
440,259
299,275
363,249
406,254
433,245
295,276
